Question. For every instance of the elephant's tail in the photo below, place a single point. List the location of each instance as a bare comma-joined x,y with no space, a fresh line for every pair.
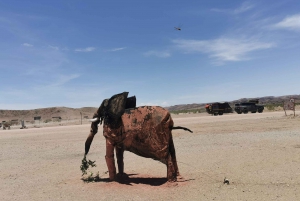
180,127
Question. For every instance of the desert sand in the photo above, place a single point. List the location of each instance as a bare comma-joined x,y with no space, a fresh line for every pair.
258,153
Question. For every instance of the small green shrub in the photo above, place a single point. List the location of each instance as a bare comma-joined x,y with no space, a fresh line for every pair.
85,165
270,107
47,120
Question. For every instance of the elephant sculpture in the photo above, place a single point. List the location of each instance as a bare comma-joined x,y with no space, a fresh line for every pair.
145,131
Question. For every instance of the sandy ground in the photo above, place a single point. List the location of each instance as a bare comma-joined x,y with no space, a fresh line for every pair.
258,153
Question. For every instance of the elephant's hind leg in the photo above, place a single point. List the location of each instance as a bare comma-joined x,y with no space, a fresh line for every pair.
173,155
171,173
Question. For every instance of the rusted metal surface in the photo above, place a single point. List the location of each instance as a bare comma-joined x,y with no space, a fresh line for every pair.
146,131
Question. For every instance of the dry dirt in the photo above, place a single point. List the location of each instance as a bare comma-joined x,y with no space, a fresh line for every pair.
258,153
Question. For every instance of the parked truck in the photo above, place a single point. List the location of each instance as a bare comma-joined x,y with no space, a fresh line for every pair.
250,106
218,108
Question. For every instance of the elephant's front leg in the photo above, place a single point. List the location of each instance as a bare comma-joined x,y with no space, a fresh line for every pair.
110,160
120,156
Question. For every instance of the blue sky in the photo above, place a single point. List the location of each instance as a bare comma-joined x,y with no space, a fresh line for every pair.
75,53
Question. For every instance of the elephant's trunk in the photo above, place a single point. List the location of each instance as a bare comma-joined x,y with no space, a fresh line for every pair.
97,118
88,142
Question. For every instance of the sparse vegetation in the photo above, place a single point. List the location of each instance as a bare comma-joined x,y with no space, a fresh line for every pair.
56,120
92,178
188,111
47,120
14,123
85,165
22,112
272,106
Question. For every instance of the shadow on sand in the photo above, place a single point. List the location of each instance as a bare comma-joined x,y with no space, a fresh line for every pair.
128,180
142,180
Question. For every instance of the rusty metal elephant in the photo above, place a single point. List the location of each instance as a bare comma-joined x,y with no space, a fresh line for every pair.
145,131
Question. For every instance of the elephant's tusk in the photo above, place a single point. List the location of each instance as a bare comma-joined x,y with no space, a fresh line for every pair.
94,120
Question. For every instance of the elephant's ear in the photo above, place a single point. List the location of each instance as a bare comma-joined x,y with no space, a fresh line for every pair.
101,110
116,105
131,102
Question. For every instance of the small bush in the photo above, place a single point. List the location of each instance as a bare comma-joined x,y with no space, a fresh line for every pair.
86,164
270,107
47,120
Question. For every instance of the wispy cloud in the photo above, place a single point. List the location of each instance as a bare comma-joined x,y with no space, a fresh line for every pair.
290,22
204,94
116,49
163,103
243,8
40,62
223,49
53,47
87,49
161,54
57,48
27,45
62,79
218,10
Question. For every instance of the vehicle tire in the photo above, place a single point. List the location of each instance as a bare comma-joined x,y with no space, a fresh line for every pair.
253,111
260,111
215,114
239,112
245,111
220,113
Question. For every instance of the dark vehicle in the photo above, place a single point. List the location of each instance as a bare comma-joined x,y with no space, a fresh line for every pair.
218,108
251,106
6,125
0,125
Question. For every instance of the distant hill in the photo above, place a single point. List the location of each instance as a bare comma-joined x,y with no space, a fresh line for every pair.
266,100
67,113
47,113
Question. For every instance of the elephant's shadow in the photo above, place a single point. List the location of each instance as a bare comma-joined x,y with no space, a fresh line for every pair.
128,180
156,181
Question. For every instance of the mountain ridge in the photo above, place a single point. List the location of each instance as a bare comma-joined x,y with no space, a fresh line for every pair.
68,113
262,100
